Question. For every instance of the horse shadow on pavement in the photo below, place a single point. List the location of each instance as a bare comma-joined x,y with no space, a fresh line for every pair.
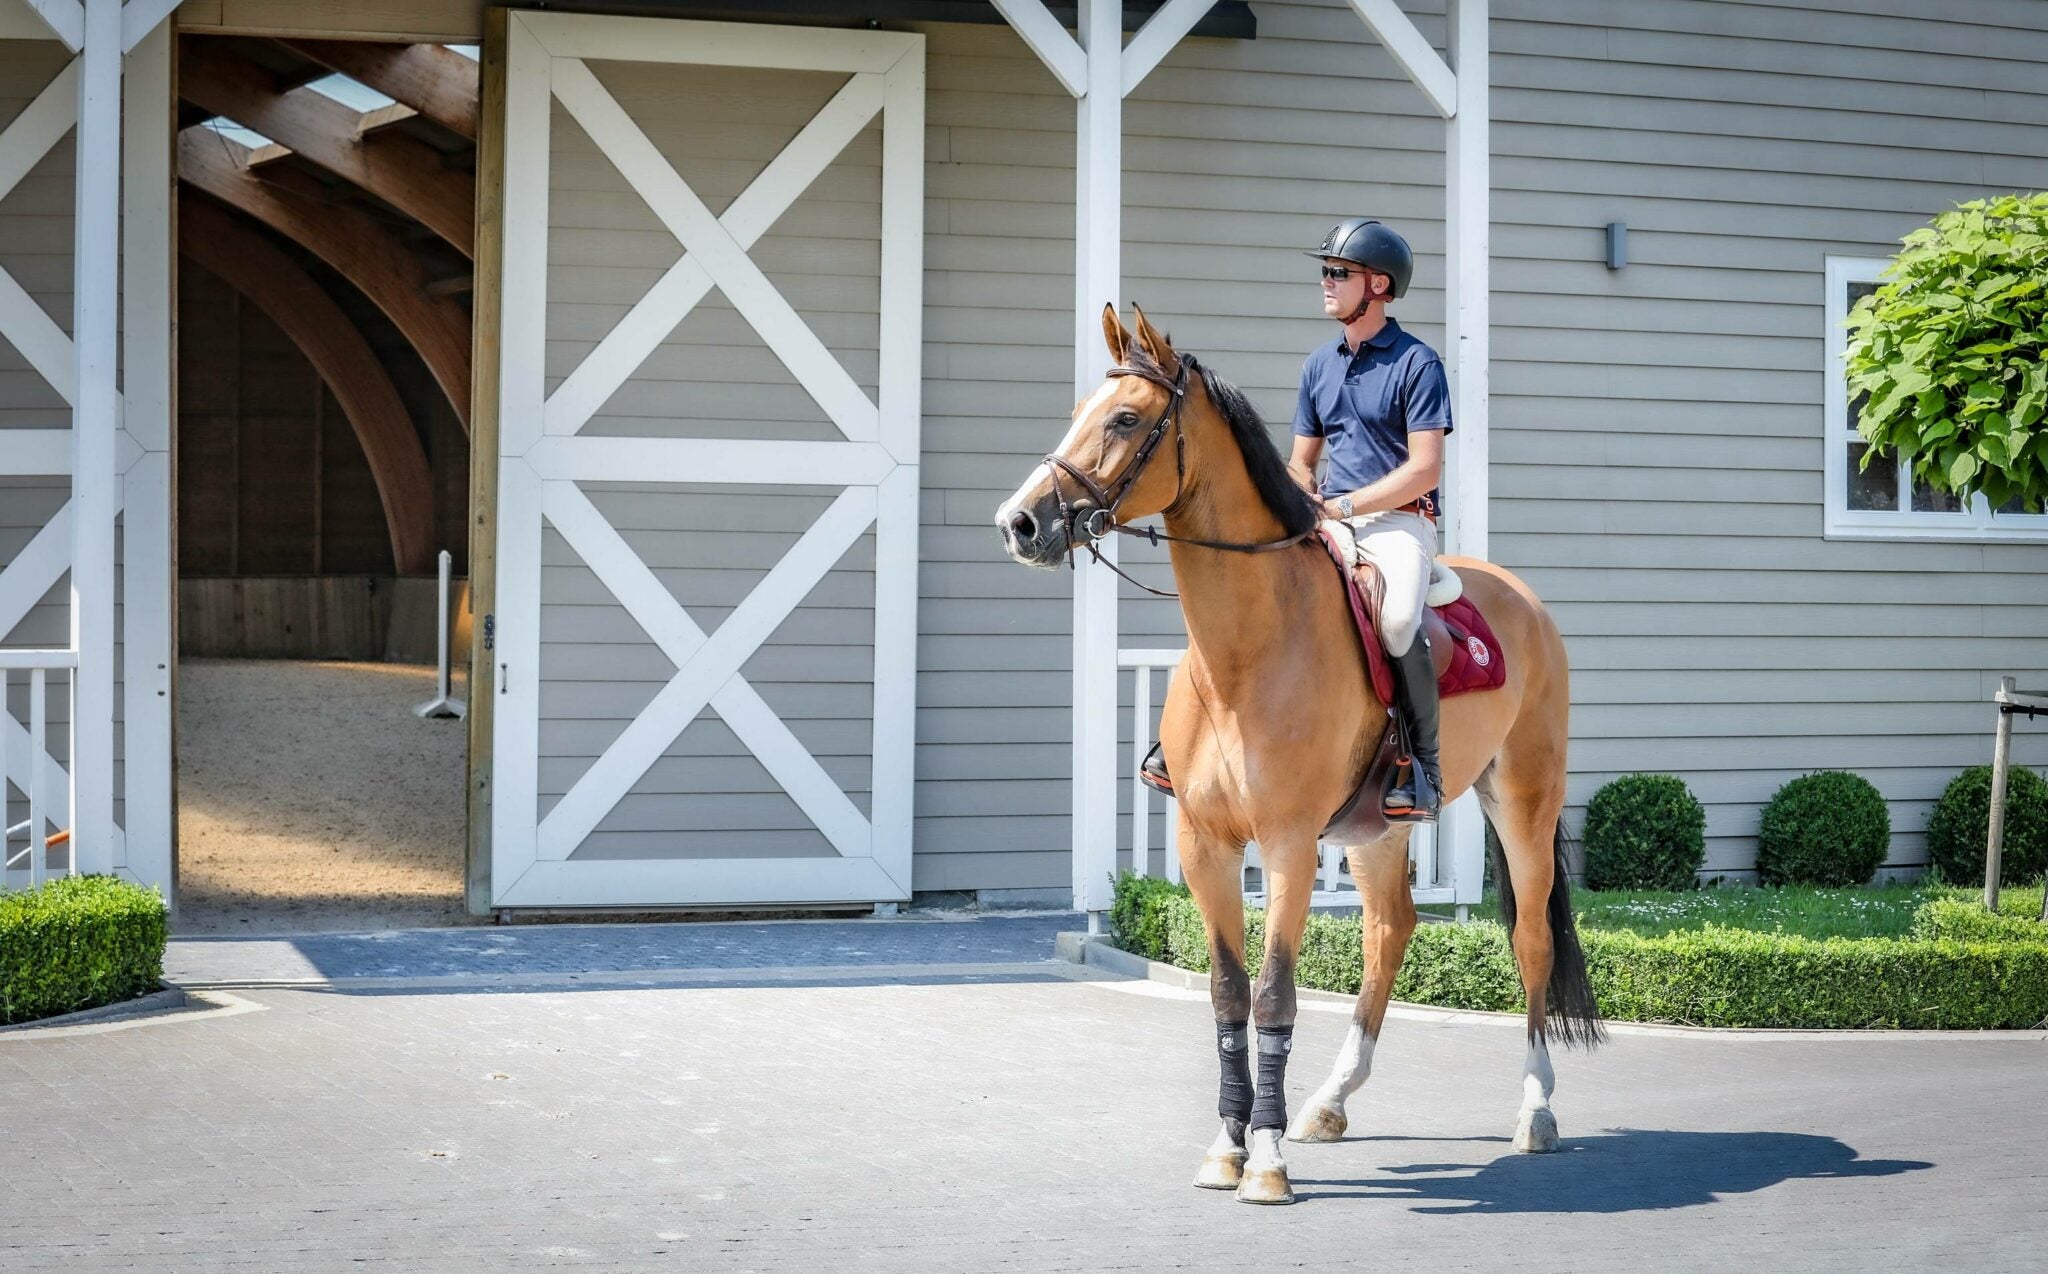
1624,1170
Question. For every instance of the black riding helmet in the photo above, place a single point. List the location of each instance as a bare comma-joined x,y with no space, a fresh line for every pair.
1374,246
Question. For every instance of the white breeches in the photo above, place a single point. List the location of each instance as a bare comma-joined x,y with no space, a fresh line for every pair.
1402,546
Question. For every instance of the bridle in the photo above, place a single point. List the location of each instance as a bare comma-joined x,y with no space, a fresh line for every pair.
1087,526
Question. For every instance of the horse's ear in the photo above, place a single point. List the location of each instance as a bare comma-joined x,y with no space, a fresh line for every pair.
1113,332
1155,344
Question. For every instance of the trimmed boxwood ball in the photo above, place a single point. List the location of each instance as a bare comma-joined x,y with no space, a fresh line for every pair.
1961,821
1645,831
1831,828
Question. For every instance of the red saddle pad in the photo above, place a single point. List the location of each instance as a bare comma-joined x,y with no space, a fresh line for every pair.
1477,661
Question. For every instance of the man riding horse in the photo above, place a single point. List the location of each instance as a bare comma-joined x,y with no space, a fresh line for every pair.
1376,400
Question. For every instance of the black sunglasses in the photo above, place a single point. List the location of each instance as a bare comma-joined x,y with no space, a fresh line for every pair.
1340,273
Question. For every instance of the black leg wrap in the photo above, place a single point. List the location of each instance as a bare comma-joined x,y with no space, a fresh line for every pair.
1233,1049
1269,1106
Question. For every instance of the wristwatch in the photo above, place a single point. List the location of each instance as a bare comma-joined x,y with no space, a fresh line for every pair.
1344,507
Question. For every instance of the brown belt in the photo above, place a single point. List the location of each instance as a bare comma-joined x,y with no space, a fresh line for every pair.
1421,504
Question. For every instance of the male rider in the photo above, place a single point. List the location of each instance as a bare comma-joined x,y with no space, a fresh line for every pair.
1376,402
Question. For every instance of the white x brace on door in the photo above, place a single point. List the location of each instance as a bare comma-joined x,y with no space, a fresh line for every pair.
112,769
550,466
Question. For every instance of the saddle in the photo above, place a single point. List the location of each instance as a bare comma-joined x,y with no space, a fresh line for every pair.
1466,655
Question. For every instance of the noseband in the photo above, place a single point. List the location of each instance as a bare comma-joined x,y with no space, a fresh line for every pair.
1087,526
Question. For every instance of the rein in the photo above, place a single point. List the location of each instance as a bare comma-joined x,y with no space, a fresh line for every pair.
1087,526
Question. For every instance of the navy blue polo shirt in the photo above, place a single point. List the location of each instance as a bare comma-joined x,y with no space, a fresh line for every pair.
1365,402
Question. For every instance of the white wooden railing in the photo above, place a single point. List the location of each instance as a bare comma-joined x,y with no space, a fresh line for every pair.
26,752
1430,872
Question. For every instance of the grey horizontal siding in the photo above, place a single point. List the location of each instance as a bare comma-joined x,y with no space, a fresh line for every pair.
1657,443
1657,435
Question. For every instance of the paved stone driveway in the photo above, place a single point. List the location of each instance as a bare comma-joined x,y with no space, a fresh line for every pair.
992,1116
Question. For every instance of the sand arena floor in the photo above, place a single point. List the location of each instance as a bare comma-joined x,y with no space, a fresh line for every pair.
311,798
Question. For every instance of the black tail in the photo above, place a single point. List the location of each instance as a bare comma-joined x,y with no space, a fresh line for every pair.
1574,1018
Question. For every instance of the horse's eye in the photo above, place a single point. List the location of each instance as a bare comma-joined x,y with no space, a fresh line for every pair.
1125,418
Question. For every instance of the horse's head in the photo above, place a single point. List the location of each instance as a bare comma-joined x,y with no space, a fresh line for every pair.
1114,464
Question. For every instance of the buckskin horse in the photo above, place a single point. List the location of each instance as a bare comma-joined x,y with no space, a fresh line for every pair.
1271,720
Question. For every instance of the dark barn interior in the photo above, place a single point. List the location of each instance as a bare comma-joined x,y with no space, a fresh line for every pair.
323,355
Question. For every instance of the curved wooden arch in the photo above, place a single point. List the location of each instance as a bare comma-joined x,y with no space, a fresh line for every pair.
358,247
275,284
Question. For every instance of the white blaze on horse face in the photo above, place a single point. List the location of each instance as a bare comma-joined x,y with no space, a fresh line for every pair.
1026,494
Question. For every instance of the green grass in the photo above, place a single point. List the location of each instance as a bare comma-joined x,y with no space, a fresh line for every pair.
1883,911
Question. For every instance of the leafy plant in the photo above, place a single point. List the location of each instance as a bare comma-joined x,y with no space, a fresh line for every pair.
1645,831
1831,828
1960,822
1949,352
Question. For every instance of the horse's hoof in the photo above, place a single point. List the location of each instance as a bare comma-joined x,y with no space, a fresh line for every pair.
1265,1185
1220,1172
1537,1133
1322,1123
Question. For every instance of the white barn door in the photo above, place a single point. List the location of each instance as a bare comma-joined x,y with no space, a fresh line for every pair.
705,629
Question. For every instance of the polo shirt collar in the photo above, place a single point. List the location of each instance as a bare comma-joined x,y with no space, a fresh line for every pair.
1378,340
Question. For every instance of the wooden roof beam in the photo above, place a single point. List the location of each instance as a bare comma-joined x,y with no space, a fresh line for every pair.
247,262
406,173
384,117
439,83
360,248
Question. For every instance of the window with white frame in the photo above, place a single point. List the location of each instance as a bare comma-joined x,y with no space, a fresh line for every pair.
1882,501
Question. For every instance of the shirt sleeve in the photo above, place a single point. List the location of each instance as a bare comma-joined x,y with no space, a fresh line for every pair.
1428,401
1306,423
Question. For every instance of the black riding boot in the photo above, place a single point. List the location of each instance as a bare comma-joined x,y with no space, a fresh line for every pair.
1416,796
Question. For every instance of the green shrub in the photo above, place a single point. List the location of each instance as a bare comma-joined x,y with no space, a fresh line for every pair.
1961,819
1831,828
76,943
1644,831
1136,916
1965,920
1715,976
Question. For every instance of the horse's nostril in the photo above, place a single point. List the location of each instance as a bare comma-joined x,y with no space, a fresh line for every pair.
1024,527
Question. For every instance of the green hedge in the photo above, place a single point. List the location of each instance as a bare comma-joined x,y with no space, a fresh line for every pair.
76,943
1966,921
1707,977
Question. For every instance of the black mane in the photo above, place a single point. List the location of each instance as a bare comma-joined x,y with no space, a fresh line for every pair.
1295,509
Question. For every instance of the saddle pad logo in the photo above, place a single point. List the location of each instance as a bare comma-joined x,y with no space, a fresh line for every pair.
1477,649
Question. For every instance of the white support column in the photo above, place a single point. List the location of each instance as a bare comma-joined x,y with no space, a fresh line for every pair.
95,421
148,127
1098,279
1467,217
